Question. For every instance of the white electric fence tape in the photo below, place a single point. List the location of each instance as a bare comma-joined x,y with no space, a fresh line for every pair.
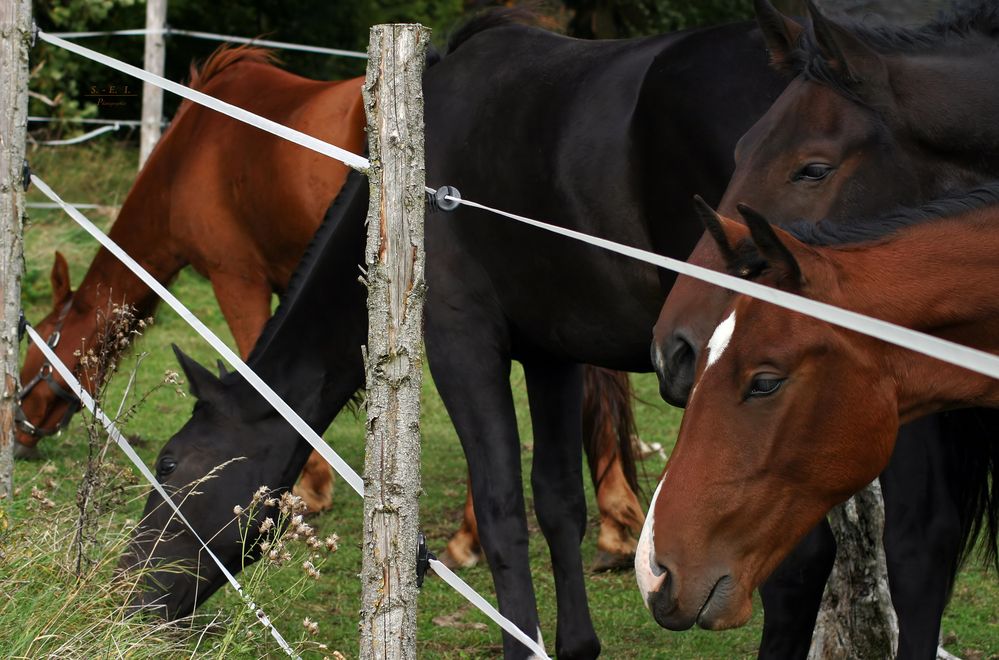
474,598
80,138
940,349
290,134
211,36
89,403
313,438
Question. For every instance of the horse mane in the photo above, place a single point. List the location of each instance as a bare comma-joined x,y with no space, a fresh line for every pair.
827,233
226,56
965,19
489,19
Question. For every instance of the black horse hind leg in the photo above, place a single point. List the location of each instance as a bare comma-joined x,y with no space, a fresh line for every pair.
473,379
923,532
555,391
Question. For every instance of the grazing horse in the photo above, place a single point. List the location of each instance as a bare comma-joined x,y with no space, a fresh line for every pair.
240,206
208,197
872,118
790,415
585,134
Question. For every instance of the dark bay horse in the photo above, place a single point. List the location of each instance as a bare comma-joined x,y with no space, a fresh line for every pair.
790,415
586,134
873,117
208,197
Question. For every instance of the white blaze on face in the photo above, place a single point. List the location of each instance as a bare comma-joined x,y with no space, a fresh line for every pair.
648,572
720,339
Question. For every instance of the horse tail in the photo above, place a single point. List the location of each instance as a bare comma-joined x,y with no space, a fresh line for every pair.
609,423
224,57
972,434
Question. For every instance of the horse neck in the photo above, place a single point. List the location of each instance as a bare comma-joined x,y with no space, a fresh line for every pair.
950,105
142,231
941,278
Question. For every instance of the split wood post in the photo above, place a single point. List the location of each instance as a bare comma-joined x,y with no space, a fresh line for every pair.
15,42
857,619
153,61
393,100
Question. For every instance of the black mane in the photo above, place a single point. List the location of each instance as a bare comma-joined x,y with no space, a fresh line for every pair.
965,19
487,20
826,233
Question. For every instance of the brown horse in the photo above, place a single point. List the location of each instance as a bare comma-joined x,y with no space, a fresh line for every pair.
208,197
790,416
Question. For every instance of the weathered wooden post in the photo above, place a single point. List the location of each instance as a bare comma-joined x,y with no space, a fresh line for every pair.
393,99
15,42
153,61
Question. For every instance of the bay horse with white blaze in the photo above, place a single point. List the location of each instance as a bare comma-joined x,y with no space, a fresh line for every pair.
873,117
240,205
790,415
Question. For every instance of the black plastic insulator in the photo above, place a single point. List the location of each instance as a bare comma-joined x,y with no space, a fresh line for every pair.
438,202
423,557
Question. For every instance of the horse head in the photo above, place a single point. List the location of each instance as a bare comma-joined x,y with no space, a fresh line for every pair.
209,467
869,121
45,402
787,419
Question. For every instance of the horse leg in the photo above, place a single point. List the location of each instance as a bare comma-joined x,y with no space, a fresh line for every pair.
923,536
792,595
246,306
555,392
473,379
608,430
463,549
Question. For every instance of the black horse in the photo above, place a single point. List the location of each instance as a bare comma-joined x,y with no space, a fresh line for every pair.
610,138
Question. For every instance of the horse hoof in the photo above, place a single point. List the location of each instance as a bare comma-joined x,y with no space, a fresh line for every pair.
454,563
607,561
26,453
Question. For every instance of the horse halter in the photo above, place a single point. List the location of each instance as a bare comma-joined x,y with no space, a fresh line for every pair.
45,375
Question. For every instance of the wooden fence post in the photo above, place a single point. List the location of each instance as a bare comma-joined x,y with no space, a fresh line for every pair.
393,100
152,96
15,42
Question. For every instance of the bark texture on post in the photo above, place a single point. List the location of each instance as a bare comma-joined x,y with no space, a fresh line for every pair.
393,100
857,619
152,96
15,42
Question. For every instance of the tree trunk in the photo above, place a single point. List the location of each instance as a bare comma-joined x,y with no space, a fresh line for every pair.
152,96
393,99
15,42
857,619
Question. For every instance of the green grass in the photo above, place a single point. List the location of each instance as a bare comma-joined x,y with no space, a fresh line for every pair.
102,173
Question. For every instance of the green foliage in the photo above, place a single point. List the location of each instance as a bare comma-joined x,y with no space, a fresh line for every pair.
631,18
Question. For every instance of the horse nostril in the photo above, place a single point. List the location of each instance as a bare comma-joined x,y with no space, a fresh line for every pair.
676,369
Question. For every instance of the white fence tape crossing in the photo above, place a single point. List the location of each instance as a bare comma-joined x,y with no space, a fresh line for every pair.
941,349
290,134
211,36
313,438
89,403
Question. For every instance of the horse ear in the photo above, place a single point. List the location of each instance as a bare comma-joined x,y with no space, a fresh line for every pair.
846,54
200,381
61,290
780,34
223,372
713,223
779,257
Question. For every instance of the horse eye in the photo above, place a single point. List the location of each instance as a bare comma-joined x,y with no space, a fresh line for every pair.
165,466
765,385
813,172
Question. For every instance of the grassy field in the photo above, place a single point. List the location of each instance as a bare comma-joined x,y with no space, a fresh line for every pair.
449,628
